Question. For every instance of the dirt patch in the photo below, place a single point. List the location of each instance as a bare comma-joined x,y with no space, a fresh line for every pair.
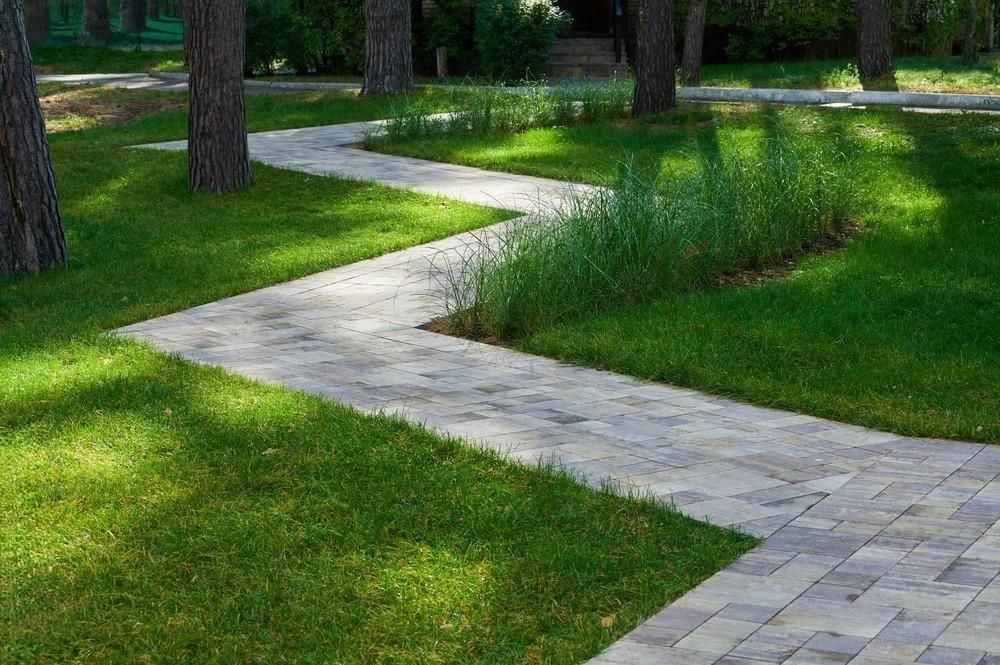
84,108
826,243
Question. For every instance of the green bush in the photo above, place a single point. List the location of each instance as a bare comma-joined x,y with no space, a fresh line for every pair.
514,37
450,24
642,238
273,36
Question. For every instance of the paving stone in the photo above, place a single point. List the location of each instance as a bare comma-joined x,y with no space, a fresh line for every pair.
876,545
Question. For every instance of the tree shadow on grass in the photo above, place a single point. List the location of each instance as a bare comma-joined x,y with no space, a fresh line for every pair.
168,511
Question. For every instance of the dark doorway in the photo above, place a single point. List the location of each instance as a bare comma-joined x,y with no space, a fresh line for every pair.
590,17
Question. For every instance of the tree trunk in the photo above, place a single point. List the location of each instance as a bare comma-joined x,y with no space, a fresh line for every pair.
36,20
31,234
214,40
153,9
970,48
96,22
694,40
388,48
133,16
875,43
655,79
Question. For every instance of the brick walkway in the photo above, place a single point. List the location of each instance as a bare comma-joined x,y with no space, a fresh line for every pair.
879,549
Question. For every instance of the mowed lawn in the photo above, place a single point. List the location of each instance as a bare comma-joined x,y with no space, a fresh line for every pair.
152,510
913,74
897,331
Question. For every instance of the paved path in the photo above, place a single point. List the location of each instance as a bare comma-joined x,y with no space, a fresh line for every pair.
128,81
880,549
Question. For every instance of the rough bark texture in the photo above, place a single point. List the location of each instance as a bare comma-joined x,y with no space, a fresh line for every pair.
874,41
31,234
36,20
96,22
133,15
694,41
970,48
388,47
214,40
655,79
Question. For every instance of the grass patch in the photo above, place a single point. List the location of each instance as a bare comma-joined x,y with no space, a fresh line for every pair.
96,60
646,238
504,109
913,74
155,510
896,331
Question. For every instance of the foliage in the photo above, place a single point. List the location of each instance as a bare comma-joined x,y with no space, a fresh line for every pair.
449,24
273,35
305,35
513,37
641,238
761,30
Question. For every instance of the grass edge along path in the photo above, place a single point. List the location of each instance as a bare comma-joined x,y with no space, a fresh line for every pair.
153,509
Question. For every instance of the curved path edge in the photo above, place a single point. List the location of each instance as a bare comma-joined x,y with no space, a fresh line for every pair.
878,548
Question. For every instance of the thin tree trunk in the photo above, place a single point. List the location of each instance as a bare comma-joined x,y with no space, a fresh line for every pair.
36,20
388,47
655,79
153,9
214,36
694,41
970,49
96,21
31,234
875,43
133,15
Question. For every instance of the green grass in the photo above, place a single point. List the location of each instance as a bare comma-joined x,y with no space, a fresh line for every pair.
897,331
95,60
642,238
913,74
154,510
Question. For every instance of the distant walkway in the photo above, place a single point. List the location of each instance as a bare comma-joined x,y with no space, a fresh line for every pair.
880,549
128,81
915,101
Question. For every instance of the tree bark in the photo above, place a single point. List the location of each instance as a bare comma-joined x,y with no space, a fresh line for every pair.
875,43
133,15
36,20
96,21
388,47
214,36
31,233
153,9
694,41
970,48
655,79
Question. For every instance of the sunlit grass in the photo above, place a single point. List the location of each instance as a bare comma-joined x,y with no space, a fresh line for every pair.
896,331
913,74
153,510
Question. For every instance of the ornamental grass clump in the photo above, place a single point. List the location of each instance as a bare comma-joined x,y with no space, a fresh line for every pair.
508,109
642,238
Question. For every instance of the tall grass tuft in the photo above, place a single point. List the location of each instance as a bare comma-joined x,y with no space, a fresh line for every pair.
643,238
507,109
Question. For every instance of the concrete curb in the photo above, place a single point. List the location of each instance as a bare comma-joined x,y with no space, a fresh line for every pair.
927,100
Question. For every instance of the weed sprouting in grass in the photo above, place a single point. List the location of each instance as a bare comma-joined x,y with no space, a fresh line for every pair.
642,237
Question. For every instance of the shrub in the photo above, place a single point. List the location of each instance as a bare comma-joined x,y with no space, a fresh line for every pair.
273,36
448,24
642,238
513,37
